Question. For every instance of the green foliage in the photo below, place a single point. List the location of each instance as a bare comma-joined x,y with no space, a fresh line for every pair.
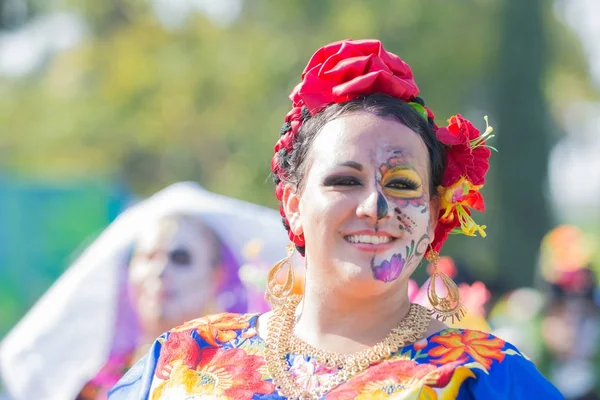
146,105
151,106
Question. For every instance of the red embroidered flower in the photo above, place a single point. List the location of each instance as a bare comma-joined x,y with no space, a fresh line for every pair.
178,346
345,70
220,374
382,380
467,156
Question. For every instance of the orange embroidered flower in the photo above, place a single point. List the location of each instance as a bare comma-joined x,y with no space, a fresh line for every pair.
457,345
218,327
226,374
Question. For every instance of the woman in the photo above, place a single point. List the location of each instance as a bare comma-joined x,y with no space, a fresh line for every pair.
368,186
178,269
162,262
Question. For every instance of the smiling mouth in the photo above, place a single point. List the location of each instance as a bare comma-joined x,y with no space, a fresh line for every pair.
369,239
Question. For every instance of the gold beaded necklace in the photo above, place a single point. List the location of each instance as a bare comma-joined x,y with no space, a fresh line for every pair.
281,341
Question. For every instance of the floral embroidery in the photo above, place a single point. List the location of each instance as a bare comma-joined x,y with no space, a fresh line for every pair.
457,346
181,347
435,368
382,381
219,327
420,344
308,374
221,373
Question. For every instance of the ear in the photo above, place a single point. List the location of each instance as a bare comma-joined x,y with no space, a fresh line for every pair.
291,207
434,213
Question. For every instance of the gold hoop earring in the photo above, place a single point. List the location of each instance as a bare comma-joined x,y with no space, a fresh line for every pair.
447,306
276,293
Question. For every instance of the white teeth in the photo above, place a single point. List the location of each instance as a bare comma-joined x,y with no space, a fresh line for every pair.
368,239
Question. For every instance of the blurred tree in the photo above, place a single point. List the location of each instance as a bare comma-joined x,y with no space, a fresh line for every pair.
154,105
524,122
149,104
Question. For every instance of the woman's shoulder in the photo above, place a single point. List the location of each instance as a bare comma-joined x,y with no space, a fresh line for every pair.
226,340
490,361
214,330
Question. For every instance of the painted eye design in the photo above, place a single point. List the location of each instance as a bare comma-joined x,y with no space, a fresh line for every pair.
180,257
403,182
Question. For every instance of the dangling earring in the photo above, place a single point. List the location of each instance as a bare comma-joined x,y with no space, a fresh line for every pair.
276,293
449,305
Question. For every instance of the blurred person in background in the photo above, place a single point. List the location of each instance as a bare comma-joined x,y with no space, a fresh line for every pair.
159,264
177,269
570,321
557,324
369,185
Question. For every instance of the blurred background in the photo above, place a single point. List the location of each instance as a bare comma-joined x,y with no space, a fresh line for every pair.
103,103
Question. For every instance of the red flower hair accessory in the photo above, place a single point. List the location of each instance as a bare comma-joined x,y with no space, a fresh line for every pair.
345,70
467,164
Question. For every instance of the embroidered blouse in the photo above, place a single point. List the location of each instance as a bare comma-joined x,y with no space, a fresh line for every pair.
222,357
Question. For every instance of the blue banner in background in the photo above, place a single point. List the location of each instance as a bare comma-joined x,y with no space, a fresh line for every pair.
43,226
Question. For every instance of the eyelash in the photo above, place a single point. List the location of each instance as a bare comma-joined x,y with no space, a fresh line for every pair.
405,182
342,181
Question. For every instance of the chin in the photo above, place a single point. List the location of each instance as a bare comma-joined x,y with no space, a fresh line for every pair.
360,279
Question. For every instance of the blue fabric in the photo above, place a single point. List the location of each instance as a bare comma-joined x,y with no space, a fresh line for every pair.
223,356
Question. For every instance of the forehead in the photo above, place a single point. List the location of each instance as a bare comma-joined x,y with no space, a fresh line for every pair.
170,233
365,138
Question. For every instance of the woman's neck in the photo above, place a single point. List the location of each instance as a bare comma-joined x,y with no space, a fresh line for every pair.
335,320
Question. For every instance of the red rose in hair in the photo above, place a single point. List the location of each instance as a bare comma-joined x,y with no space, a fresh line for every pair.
345,70
467,156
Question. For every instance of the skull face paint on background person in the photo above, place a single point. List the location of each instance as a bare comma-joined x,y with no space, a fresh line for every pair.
174,272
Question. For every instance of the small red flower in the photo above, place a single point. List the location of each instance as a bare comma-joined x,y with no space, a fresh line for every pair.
442,230
467,156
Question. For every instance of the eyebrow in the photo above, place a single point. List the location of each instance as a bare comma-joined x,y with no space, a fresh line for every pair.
402,152
351,164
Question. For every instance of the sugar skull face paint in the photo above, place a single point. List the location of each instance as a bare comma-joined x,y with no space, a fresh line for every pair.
364,202
382,206
403,187
172,271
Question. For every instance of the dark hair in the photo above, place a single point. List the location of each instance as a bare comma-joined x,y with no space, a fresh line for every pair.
293,165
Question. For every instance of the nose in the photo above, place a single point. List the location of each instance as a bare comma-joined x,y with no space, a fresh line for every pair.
159,266
375,207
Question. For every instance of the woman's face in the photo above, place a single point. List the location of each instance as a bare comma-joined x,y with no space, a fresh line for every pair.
365,209
172,272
